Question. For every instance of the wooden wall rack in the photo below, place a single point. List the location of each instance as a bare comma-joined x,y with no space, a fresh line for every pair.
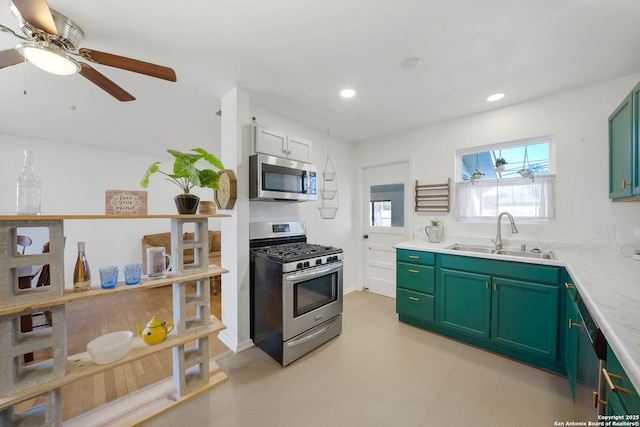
433,197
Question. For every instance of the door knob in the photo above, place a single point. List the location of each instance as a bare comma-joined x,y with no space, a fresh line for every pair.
366,236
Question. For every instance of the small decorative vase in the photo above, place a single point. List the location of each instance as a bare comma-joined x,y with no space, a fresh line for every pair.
435,233
207,207
187,203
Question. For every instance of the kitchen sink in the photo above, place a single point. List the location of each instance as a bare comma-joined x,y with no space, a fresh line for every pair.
472,248
509,252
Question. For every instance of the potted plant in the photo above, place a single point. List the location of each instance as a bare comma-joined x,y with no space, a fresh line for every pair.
476,175
499,165
186,176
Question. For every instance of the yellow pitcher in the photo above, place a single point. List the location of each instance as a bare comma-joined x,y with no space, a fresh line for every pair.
155,332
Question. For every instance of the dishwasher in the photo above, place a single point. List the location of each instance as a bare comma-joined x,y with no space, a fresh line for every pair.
591,356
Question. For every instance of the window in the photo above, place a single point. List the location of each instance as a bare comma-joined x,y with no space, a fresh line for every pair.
516,177
387,205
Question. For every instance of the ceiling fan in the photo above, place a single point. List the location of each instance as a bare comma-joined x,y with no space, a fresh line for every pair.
52,40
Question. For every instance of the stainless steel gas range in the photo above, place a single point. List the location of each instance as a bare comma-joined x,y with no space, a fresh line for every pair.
296,290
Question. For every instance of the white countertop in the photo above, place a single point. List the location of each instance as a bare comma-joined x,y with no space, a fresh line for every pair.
608,282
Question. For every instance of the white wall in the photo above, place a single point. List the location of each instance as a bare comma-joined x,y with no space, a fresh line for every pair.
74,179
577,118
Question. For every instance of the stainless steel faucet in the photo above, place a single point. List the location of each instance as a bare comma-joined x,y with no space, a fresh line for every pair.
514,230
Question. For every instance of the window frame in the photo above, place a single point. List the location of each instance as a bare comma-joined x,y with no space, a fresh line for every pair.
550,139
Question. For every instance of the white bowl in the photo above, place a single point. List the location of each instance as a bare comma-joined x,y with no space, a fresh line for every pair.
110,347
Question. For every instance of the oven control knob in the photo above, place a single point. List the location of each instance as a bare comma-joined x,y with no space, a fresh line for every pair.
299,266
319,261
306,263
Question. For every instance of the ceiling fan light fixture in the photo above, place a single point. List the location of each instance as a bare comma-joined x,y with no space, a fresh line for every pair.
49,58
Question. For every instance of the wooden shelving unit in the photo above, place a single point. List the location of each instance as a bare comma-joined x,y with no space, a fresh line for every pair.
433,197
193,372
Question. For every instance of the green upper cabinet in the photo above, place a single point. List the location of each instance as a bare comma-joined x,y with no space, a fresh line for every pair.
465,302
624,149
525,316
636,140
621,150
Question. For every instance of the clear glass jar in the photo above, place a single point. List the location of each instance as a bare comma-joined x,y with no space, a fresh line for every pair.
81,272
28,188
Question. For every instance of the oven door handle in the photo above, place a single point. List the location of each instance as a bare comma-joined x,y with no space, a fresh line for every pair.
295,342
299,276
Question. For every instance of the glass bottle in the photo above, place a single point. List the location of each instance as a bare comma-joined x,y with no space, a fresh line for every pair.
28,188
81,274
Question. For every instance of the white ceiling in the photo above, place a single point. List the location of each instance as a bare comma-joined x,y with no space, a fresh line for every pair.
296,55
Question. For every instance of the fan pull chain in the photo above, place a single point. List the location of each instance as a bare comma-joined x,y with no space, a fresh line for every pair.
24,90
73,92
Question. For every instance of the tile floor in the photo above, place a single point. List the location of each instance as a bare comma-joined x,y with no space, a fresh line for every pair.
379,372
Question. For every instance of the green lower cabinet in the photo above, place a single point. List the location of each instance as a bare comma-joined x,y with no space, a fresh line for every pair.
525,316
572,323
623,399
514,313
415,304
465,302
419,278
506,307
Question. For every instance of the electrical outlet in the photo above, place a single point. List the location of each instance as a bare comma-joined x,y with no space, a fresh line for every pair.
603,232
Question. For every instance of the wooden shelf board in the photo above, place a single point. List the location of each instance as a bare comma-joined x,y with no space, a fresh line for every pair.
72,217
432,208
81,366
96,291
144,405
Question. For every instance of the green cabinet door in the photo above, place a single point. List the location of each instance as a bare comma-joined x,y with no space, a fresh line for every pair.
525,316
465,302
623,398
621,152
636,140
572,322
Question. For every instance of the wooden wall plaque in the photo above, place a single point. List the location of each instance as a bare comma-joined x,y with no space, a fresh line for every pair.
125,202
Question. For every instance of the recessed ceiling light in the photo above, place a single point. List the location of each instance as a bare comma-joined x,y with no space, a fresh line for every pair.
412,63
495,97
347,93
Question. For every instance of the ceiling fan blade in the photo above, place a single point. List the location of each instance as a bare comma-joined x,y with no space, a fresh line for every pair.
105,84
37,13
128,64
10,57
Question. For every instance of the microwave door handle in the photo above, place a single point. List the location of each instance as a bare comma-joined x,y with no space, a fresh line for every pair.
308,182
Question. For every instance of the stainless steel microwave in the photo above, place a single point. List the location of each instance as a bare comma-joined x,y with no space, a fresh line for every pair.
279,179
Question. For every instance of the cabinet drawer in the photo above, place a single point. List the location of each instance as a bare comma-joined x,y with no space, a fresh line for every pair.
420,278
514,269
416,257
630,401
415,304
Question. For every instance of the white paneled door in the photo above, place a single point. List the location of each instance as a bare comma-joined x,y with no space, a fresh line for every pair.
386,216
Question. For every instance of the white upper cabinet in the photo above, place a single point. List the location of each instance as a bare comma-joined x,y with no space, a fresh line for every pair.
277,143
